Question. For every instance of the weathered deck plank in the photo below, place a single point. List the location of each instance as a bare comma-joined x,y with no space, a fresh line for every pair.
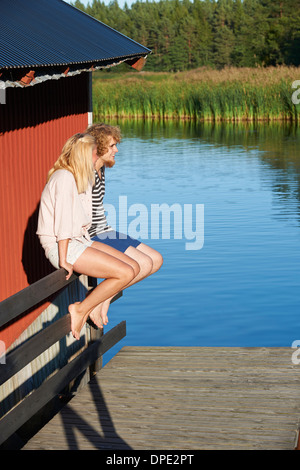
183,398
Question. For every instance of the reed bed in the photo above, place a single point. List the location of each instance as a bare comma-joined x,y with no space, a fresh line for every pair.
208,95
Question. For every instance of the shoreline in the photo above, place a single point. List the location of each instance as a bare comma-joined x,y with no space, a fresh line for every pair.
230,95
196,119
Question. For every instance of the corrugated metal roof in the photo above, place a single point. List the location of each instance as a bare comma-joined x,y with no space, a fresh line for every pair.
37,33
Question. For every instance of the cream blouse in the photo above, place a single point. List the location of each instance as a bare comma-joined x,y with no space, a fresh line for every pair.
63,212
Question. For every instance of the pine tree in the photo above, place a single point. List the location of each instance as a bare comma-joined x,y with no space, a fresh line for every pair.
184,34
223,35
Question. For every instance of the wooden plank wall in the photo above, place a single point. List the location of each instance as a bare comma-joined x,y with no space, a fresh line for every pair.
31,376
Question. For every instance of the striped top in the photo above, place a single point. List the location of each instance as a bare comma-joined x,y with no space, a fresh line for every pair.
99,222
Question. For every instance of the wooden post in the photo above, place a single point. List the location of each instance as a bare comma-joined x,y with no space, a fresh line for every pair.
95,334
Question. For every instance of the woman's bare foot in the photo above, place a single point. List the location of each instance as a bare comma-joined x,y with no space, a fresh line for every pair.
95,316
104,310
77,319
99,314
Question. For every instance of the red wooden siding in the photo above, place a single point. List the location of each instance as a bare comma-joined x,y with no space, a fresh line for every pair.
34,124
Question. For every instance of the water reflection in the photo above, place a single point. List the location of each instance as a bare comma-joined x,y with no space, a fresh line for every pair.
242,288
278,144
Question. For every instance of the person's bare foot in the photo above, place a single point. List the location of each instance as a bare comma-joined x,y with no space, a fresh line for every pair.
104,310
95,316
77,319
99,314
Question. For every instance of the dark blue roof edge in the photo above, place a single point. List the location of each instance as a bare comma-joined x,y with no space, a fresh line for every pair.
109,61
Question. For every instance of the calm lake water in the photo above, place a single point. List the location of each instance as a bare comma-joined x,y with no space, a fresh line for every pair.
242,287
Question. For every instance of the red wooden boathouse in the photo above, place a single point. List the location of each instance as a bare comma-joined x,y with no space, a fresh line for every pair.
48,50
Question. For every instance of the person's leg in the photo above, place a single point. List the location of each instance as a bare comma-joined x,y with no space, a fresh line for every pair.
143,259
140,262
155,256
99,314
148,264
148,259
116,274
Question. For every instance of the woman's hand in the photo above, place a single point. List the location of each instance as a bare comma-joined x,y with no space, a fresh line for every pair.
62,255
69,268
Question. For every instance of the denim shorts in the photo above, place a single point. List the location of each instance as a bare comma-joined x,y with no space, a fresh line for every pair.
116,240
75,249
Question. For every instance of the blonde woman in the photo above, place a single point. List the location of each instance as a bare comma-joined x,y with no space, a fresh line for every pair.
64,219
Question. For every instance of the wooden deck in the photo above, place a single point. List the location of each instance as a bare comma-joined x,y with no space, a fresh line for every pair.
183,398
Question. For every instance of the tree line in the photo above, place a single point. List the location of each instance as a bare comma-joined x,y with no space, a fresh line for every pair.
185,34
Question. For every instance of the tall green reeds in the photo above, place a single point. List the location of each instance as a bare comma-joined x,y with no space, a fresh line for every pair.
231,99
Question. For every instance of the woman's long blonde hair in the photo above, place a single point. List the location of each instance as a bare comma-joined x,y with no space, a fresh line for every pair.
76,157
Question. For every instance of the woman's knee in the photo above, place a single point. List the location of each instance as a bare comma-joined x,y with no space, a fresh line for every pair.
136,267
144,262
157,260
156,257
146,265
126,274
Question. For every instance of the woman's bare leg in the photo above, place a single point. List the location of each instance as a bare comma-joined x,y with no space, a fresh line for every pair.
99,314
155,256
148,260
140,262
116,275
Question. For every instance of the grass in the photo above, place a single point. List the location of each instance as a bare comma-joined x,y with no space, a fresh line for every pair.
231,94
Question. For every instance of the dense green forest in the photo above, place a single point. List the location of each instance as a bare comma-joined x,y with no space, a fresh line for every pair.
185,34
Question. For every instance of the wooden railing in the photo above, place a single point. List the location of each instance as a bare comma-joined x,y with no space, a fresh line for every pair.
18,358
